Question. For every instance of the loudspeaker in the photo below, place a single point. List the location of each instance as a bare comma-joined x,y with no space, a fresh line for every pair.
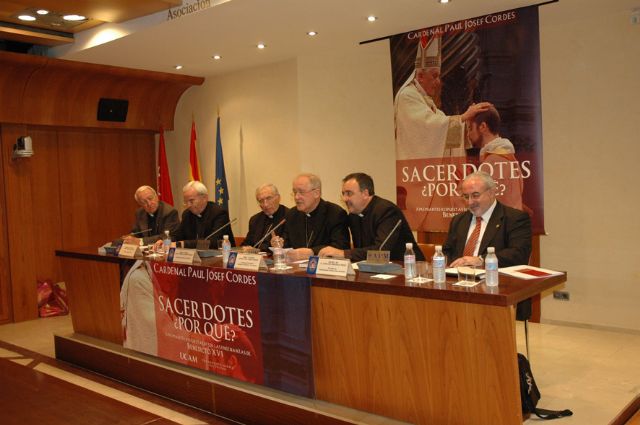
113,109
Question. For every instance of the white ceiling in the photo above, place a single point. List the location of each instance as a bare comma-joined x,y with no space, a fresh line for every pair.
233,28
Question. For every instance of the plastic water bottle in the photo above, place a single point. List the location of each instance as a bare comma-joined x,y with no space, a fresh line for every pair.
439,265
491,267
166,242
279,262
226,249
409,262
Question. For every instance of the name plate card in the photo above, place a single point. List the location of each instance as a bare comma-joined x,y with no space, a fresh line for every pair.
129,251
245,261
183,256
335,267
378,257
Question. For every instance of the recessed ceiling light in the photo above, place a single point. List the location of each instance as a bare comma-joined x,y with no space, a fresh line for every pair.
42,12
261,45
443,1
26,18
312,33
372,18
73,18
217,57
178,67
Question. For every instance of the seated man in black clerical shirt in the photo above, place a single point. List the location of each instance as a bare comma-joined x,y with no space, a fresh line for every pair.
314,223
201,218
261,224
371,221
152,218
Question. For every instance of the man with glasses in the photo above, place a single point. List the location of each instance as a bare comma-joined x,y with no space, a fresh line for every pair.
314,223
487,223
372,220
152,218
272,213
201,218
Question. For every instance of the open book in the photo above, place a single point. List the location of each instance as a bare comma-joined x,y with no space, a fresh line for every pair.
528,272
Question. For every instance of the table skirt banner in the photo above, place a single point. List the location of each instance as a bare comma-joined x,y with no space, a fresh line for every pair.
222,321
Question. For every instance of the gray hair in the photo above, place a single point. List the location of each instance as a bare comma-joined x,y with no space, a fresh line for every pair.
314,180
142,189
488,181
200,188
270,186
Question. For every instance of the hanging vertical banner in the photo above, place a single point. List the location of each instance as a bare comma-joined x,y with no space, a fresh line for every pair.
441,77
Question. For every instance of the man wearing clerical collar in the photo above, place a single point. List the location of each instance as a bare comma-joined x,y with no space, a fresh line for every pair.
371,220
264,222
201,218
152,218
314,223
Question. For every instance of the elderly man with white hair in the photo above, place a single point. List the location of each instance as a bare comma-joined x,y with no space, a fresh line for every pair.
152,218
201,218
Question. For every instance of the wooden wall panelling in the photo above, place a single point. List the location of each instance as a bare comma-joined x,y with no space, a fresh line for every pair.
5,263
45,193
418,360
66,93
99,173
20,231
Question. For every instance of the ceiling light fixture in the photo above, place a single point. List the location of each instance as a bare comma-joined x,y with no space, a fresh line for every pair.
42,12
312,33
372,18
74,18
443,1
178,67
26,18
261,45
217,57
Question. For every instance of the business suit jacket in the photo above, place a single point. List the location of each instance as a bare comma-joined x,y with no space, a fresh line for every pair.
258,225
370,228
508,231
193,227
324,226
166,219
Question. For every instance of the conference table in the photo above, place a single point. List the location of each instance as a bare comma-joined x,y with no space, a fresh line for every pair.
424,354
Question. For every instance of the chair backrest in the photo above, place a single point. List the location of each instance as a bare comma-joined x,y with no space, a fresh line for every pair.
630,415
428,249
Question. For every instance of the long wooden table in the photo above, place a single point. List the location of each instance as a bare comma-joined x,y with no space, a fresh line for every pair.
421,354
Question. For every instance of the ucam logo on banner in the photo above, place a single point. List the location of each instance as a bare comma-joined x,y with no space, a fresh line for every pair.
444,130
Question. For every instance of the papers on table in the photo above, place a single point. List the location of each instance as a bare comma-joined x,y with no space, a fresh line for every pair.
528,272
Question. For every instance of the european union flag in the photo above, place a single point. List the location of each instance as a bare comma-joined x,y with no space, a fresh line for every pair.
222,193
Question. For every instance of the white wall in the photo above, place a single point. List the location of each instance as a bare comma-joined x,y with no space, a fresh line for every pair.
590,95
333,114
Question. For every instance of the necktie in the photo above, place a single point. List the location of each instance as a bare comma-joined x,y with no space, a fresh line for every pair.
473,239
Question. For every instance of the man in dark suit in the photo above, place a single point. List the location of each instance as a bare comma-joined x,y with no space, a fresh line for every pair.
371,220
487,223
152,218
201,218
314,223
265,221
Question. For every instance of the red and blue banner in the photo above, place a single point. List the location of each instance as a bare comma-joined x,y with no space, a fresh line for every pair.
250,326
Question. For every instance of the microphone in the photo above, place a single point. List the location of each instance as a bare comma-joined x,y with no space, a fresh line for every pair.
269,230
220,228
389,235
139,233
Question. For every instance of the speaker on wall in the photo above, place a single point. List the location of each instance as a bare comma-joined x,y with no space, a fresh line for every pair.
112,109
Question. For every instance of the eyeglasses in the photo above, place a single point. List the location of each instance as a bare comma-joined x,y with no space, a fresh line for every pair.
265,199
192,201
295,192
473,196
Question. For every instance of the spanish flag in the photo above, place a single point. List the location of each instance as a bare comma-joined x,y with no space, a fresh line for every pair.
194,164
